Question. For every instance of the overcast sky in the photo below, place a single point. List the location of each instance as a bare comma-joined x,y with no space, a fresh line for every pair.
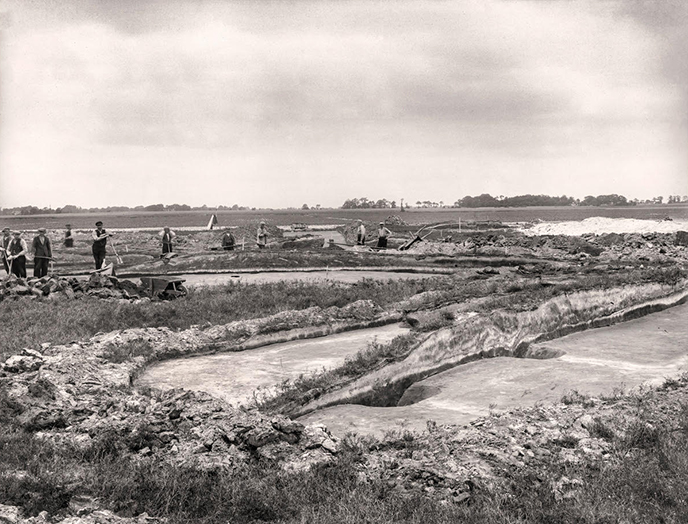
276,104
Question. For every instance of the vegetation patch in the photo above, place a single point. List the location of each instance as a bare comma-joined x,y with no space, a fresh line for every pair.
118,353
32,323
643,477
309,387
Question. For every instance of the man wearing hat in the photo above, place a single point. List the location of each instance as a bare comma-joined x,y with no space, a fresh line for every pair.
4,242
382,234
42,253
16,254
100,237
262,236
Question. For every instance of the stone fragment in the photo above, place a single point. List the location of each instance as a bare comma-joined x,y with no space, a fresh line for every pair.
83,505
9,514
330,445
287,426
22,363
260,436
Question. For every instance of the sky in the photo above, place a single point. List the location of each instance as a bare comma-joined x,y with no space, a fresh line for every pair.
280,103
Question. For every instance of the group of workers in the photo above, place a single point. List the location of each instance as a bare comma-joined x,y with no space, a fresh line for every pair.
229,242
14,249
382,235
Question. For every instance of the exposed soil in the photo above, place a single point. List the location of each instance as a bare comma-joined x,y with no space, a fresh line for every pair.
519,289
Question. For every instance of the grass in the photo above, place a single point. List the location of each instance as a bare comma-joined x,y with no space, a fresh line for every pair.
644,479
309,387
31,323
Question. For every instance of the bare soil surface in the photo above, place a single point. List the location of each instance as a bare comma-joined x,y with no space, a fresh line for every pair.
236,377
507,290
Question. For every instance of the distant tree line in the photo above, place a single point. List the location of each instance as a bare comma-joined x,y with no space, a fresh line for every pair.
364,203
486,200
33,210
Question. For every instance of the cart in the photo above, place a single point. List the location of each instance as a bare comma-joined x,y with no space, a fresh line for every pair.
164,287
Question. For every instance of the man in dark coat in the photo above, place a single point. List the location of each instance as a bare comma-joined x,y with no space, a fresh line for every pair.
228,240
68,240
167,237
42,254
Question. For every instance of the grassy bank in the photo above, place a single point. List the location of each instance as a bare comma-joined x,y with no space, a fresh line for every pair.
292,393
643,479
29,323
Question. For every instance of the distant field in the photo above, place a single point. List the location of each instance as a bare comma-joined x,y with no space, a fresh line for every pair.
338,216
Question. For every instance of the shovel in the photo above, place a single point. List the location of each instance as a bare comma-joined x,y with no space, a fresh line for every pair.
119,258
9,273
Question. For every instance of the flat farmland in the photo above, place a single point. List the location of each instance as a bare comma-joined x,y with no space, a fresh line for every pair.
199,219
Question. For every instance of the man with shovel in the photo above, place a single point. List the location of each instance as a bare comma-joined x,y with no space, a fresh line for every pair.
16,255
4,242
100,237
42,253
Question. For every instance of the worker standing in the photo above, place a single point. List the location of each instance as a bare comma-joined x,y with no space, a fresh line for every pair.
42,253
68,240
4,242
382,234
16,257
228,240
360,234
262,236
167,237
100,237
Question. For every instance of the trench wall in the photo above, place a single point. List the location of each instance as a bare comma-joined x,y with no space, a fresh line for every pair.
502,334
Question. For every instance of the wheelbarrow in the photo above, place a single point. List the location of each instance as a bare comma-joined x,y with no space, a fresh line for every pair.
164,287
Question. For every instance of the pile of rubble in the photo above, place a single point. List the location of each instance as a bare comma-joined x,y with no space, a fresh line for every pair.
450,461
609,245
100,286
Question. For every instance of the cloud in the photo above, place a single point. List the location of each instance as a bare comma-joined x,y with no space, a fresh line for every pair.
272,87
668,21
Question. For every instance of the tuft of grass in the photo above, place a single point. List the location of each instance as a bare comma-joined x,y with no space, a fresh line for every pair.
118,353
309,387
574,397
600,429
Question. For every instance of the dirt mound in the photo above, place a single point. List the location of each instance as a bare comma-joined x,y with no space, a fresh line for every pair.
97,285
602,225
395,220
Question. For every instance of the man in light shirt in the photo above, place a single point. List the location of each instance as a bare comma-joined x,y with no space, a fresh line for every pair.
4,242
360,234
262,236
382,234
16,254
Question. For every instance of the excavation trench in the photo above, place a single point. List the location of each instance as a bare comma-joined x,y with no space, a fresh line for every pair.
396,392
457,374
593,362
